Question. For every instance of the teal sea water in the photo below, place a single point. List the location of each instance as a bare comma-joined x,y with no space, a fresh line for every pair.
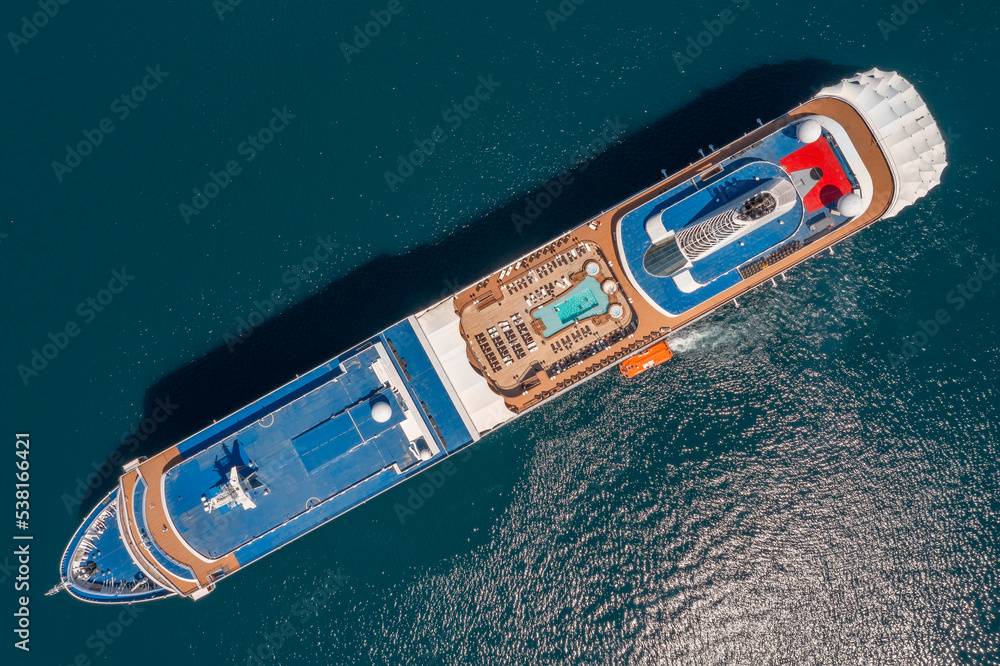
781,492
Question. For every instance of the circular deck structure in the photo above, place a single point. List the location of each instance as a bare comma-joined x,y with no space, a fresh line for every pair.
381,411
808,131
850,205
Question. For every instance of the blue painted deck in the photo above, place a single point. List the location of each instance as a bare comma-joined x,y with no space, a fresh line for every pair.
426,384
687,202
315,446
305,452
314,443
114,562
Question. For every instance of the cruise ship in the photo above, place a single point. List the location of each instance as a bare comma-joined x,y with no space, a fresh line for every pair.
604,295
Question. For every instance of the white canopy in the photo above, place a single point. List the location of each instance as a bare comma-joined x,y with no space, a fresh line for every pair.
904,126
440,326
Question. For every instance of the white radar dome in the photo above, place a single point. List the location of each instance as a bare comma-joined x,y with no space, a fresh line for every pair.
808,131
850,205
381,411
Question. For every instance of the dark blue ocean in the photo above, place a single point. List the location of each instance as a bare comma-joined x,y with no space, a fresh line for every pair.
788,490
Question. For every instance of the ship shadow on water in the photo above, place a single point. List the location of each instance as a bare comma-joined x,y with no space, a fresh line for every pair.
389,288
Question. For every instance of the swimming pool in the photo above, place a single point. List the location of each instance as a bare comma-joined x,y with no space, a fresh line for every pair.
584,300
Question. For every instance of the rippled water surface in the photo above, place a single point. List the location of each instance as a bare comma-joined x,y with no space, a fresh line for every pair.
782,492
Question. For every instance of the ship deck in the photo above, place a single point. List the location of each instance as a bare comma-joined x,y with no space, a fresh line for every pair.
99,568
547,309
650,322
315,446
424,388
557,316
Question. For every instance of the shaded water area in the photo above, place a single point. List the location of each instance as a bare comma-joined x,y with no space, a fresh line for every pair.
811,478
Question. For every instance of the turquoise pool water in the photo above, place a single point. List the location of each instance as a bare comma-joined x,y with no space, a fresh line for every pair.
574,306
585,300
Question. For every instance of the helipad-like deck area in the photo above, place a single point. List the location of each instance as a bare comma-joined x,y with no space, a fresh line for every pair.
303,453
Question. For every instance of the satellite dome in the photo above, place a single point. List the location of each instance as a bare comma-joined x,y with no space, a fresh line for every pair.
808,131
850,205
420,448
381,411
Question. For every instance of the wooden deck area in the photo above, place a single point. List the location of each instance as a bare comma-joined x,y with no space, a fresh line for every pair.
161,529
510,344
494,300
653,324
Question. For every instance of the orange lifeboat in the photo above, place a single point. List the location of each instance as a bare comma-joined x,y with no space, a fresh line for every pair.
646,359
